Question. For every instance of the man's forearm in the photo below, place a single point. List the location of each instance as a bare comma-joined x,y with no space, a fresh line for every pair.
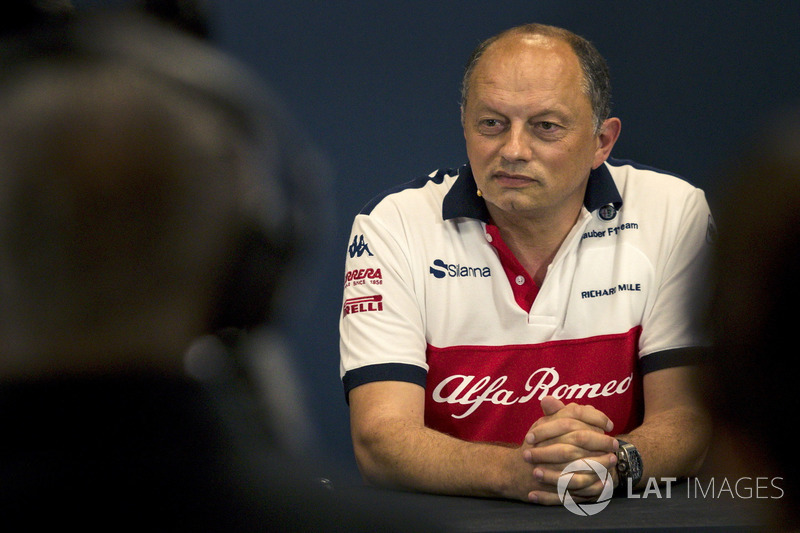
672,443
418,458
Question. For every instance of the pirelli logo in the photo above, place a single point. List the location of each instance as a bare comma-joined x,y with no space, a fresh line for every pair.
363,304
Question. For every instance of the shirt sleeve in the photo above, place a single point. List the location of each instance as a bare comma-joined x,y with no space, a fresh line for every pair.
382,335
673,325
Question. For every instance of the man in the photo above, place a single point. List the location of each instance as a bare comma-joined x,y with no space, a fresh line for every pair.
531,308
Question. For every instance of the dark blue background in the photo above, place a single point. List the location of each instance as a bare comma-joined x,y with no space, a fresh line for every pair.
377,86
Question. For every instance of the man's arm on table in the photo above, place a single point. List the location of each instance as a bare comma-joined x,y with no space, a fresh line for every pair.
393,448
676,430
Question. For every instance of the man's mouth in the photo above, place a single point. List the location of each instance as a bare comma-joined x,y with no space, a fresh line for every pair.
508,179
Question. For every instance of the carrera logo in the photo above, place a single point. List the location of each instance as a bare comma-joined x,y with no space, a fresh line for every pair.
362,304
440,269
362,276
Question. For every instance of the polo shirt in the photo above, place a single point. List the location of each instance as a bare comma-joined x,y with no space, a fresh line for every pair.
433,296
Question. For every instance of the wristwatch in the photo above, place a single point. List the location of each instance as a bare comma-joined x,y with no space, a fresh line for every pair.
629,464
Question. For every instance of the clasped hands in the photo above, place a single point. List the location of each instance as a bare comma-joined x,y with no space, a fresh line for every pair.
565,434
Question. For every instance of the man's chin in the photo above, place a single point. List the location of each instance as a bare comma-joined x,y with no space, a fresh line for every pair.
514,203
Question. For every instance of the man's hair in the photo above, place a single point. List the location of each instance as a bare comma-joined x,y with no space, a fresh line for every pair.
596,78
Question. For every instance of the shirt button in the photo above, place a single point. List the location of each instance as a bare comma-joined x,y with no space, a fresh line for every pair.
488,237
520,280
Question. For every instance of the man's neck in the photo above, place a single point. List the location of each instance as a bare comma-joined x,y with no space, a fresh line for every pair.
535,240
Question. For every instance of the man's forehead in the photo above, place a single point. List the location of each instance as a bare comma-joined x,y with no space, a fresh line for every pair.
531,39
545,61
516,47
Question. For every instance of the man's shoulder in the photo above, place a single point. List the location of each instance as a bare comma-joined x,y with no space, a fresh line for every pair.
657,202
435,185
633,174
647,189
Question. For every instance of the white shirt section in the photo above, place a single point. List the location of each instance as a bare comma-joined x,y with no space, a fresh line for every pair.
441,283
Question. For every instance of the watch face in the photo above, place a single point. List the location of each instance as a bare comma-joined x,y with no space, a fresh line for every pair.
629,463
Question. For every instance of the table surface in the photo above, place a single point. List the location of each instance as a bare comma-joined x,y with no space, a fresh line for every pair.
689,507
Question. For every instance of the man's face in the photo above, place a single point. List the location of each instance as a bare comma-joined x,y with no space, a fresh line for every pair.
529,128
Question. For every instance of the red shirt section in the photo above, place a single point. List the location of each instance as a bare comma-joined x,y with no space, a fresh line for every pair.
492,393
522,284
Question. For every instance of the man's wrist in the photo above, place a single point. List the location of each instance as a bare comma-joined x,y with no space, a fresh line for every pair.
629,468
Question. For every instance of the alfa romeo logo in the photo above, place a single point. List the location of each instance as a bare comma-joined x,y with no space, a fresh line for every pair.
589,508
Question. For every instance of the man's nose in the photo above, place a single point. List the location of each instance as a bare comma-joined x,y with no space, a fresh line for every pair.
517,144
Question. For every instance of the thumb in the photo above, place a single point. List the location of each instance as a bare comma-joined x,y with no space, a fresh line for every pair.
551,405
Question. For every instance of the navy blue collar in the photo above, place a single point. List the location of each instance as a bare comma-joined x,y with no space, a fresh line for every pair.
462,199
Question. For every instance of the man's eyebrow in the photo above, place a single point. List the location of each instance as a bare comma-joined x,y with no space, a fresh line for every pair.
556,114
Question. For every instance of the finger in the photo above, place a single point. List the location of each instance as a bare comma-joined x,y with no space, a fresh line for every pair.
570,431
549,474
585,413
546,497
562,454
593,490
569,418
551,405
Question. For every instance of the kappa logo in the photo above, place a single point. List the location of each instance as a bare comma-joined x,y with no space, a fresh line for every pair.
358,247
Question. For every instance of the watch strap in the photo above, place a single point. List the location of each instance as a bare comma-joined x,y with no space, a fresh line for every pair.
629,465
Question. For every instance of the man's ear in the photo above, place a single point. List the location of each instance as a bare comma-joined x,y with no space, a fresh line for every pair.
609,133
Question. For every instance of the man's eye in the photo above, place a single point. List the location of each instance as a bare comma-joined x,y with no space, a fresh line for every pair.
490,125
549,130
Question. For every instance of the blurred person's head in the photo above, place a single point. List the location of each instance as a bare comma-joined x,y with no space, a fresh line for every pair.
21,15
192,16
754,369
146,196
